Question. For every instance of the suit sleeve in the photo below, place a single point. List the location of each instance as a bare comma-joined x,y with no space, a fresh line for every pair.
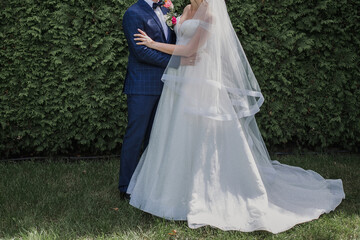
131,23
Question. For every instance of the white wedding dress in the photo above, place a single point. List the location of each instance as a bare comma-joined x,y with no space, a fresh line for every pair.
203,170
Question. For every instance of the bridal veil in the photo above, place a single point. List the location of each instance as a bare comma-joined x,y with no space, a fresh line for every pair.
221,85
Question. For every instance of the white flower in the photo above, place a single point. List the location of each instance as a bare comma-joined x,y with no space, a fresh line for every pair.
169,22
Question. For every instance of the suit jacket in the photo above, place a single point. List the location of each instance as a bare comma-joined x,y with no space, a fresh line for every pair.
145,65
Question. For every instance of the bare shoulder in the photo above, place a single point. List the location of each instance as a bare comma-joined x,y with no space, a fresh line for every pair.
186,9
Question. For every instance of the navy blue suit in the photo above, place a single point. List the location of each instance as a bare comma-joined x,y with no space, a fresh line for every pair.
143,84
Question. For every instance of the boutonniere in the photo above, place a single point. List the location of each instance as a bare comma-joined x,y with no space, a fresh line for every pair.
170,17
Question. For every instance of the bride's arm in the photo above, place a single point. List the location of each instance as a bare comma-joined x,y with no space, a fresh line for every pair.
179,50
144,39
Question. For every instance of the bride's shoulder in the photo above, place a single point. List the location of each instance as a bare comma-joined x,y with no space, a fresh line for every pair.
186,9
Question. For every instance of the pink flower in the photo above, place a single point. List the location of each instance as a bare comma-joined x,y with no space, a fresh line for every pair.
168,4
173,20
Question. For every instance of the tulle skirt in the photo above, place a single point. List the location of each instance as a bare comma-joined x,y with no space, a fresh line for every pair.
204,171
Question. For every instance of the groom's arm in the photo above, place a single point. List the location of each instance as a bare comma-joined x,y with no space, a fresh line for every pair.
131,24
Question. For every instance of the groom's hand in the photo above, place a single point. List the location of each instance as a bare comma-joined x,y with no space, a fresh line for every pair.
188,61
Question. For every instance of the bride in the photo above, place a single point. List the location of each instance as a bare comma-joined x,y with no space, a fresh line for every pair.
206,161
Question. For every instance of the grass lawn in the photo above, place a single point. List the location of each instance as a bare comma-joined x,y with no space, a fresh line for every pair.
79,200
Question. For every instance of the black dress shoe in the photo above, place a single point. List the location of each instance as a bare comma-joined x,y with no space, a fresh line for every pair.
124,196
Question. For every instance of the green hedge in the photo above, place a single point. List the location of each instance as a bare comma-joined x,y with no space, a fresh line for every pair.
63,65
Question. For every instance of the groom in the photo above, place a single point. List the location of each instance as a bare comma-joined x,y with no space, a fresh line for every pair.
143,83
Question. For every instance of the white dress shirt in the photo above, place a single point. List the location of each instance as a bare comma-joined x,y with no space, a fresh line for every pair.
160,15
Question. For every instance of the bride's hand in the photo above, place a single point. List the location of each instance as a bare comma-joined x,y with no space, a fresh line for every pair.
143,39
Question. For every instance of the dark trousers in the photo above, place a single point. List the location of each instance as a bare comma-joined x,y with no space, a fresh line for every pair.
141,113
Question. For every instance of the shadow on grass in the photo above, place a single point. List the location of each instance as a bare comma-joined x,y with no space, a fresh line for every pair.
80,200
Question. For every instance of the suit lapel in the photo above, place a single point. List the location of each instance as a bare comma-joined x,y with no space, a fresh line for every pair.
152,13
